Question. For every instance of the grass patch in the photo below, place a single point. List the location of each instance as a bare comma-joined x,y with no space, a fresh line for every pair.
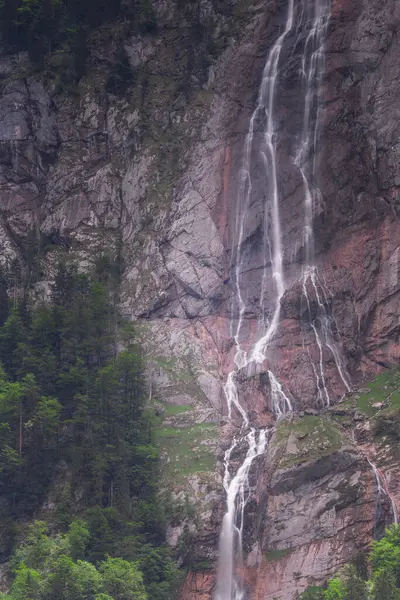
184,450
385,388
347,405
170,367
341,418
170,410
202,565
386,424
273,555
343,412
311,438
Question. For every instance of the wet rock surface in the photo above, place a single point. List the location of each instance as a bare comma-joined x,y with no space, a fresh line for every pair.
313,515
157,172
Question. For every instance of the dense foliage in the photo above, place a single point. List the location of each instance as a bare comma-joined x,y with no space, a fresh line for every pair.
61,566
72,410
44,26
375,579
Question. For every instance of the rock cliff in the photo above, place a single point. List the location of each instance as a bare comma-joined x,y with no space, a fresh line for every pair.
154,173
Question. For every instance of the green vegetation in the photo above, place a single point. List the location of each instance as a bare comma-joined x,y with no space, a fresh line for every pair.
203,565
380,401
72,406
376,579
42,26
273,555
187,449
59,567
384,389
387,423
309,438
121,76
56,32
170,410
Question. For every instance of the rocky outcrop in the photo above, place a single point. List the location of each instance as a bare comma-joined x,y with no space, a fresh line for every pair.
313,515
313,509
157,171
356,219
154,174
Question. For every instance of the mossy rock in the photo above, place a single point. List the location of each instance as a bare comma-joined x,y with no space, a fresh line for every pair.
387,423
307,438
202,566
274,555
188,450
382,392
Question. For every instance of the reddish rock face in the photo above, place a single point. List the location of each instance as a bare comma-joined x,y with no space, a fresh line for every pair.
357,230
356,223
159,171
322,512
198,586
307,521
357,243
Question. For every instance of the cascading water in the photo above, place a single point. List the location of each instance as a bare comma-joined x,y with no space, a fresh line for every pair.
321,326
383,490
307,19
229,582
312,68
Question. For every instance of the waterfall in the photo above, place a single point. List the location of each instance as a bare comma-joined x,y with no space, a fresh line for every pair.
383,490
229,581
307,21
312,69
321,326
229,584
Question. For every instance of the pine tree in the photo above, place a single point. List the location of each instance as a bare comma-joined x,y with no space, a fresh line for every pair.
355,587
13,337
27,584
386,553
4,300
384,587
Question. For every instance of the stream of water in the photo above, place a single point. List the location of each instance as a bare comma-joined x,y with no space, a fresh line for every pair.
312,69
306,20
383,490
229,581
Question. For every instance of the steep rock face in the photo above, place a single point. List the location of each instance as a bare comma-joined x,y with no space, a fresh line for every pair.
317,511
356,221
156,173
363,209
313,508
141,175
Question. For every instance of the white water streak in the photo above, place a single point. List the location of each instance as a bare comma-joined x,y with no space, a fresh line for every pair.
383,489
280,401
322,328
231,540
229,583
266,102
312,68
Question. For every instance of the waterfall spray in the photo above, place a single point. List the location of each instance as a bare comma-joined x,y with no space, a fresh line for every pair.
229,582
312,69
312,17
383,490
